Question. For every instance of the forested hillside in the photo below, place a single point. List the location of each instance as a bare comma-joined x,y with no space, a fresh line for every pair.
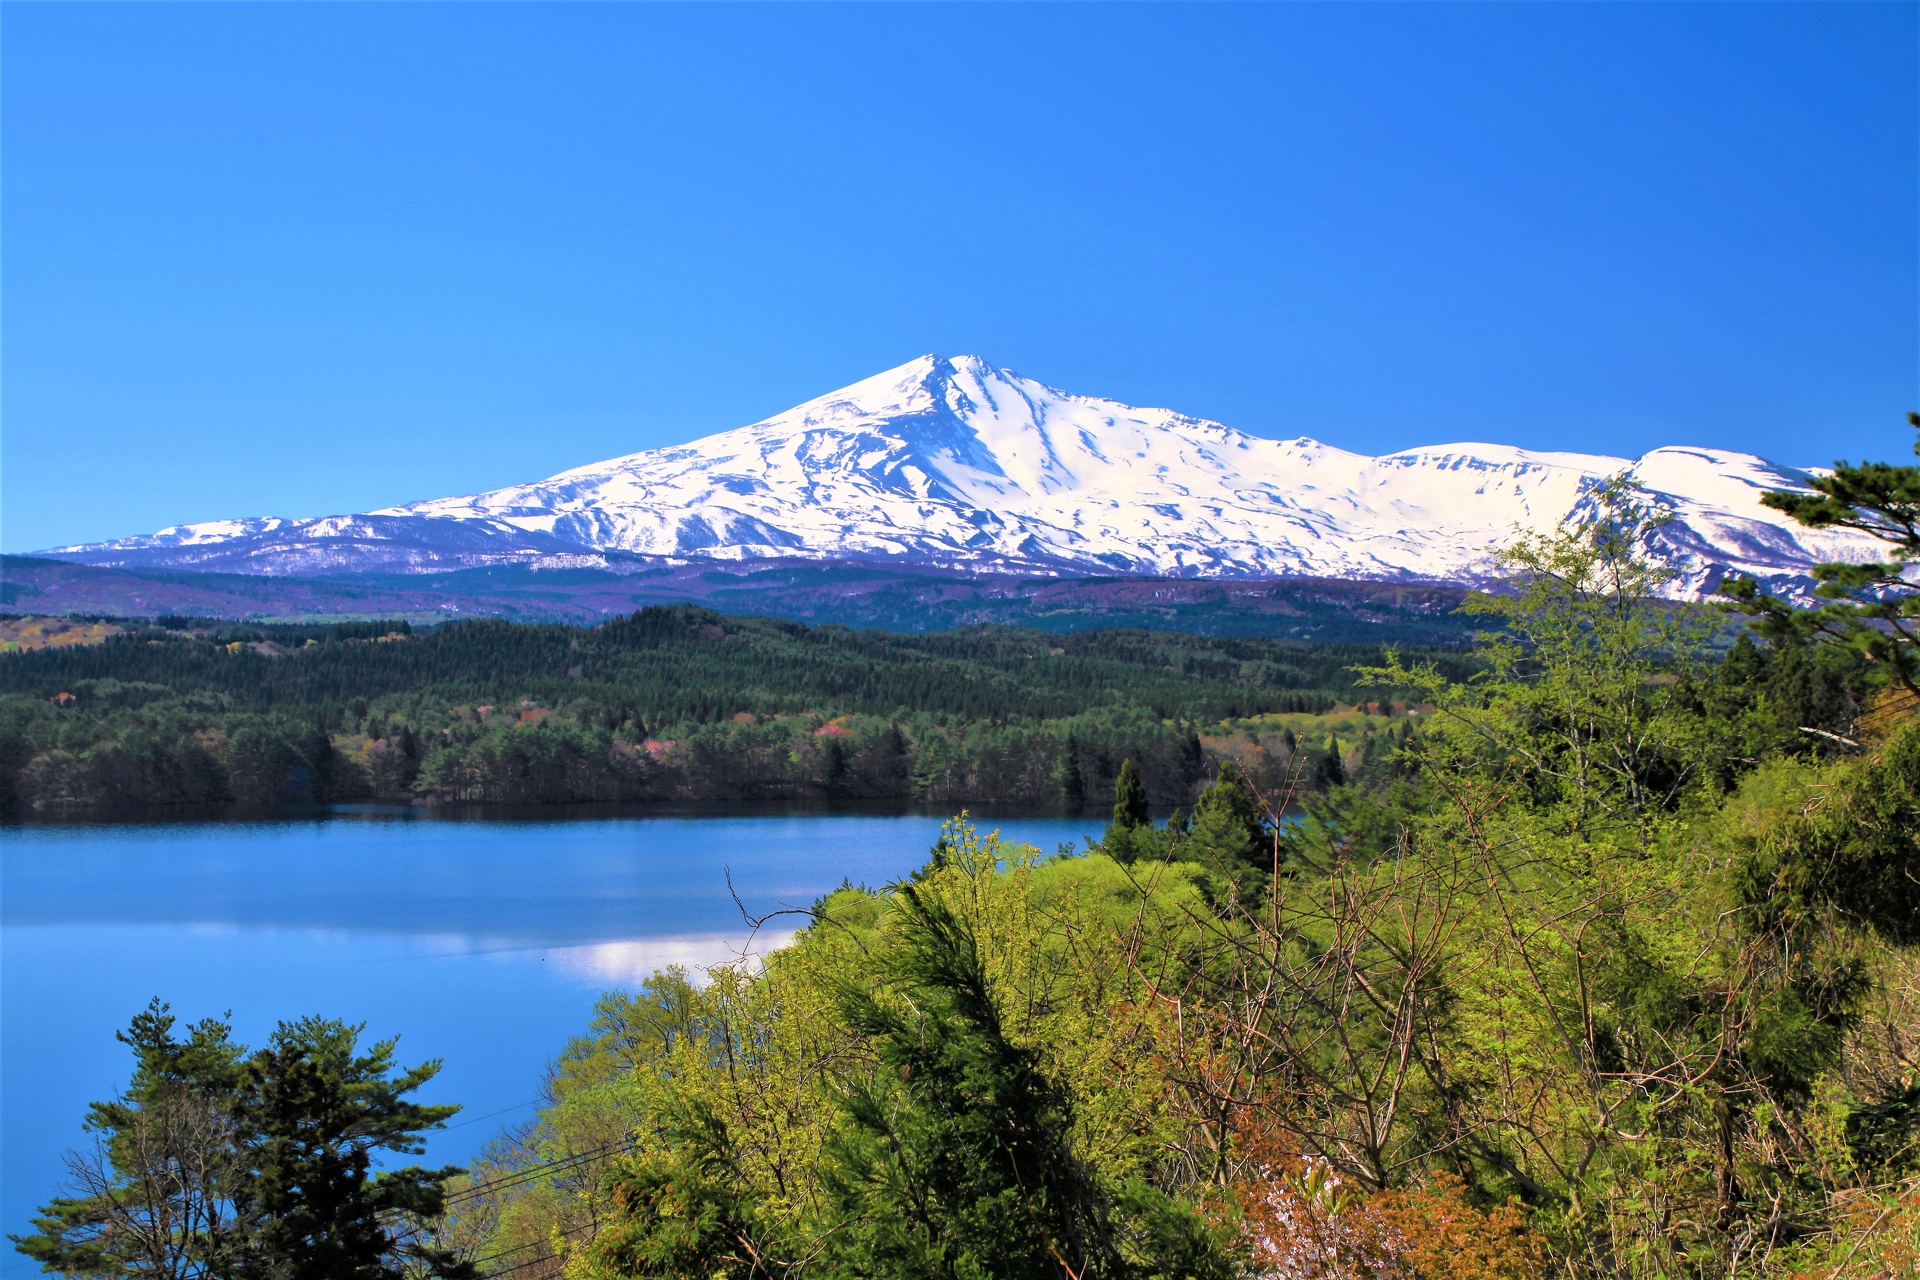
1608,973
668,703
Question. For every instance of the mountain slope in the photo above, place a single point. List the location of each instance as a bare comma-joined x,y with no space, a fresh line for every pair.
958,464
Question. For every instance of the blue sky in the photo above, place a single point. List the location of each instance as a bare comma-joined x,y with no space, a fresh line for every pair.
281,259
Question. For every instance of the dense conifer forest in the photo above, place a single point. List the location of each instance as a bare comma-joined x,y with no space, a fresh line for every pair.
671,703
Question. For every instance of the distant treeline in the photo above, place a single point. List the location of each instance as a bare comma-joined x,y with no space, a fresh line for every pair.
669,703
674,703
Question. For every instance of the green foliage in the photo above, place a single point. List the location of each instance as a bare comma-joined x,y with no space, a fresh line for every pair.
1585,960
1590,980
1567,969
1228,828
153,1196
1845,841
1884,1136
667,665
684,1209
1785,698
945,1041
1232,832
316,1109
221,1164
1353,823
1130,799
1871,609
953,1158
668,704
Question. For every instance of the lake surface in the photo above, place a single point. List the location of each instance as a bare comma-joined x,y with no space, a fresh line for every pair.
480,942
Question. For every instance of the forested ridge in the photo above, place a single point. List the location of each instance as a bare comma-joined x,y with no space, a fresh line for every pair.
668,703
689,663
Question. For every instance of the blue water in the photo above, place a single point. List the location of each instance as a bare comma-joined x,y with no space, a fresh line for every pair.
482,943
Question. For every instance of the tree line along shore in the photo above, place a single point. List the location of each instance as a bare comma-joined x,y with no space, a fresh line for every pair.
675,703
682,704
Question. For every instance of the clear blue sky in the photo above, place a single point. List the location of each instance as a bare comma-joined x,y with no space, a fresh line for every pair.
279,259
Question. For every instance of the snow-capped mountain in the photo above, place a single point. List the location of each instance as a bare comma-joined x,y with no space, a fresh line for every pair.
956,463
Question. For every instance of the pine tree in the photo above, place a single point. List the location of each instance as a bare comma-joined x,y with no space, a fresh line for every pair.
1331,770
684,1208
1073,784
1228,824
155,1190
322,761
954,1159
1872,608
316,1110
1130,799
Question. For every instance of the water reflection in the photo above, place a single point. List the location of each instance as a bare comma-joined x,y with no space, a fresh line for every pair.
481,939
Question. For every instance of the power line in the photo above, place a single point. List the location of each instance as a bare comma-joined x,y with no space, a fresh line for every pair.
529,1173
532,1244
490,1115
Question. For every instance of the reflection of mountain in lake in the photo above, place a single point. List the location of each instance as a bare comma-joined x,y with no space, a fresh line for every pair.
630,962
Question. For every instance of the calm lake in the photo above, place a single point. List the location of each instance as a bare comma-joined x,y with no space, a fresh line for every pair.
482,942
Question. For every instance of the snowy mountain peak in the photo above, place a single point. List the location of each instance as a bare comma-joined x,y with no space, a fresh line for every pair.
953,461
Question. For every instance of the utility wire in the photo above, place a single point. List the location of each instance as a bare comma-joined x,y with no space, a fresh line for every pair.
518,1106
529,1173
533,1172
530,1262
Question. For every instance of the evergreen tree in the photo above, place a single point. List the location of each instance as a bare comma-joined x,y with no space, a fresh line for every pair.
154,1193
322,762
1193,758
954,1159
1130,798
198,715
1073,784
1872,608
1229,827
15,754
684,1208
317,1110
1329,770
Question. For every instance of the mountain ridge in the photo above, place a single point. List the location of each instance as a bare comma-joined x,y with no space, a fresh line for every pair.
849,593
956,464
